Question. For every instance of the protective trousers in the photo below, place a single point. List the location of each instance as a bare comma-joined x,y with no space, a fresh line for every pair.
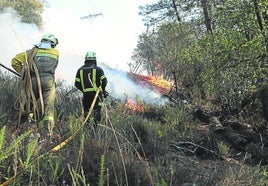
87,102
49,94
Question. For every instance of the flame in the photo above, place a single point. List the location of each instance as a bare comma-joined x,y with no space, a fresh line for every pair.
132,107
154,83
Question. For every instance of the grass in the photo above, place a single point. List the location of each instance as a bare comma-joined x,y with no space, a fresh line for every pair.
126,149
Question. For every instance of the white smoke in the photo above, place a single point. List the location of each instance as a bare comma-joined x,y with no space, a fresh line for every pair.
76,37
123,87
15,37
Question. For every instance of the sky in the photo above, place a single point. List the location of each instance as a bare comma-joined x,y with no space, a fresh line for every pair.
113,36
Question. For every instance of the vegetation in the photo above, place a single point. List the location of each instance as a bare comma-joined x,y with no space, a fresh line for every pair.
214,48
215,53
29,11
126,149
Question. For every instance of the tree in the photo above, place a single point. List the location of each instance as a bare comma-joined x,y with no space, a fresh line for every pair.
227,55
144,55
163,10
29,11
235,58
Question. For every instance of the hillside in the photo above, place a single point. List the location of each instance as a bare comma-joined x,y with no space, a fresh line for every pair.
179,143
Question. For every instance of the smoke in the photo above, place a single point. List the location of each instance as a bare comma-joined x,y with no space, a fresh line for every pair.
76,36
15,37
123,87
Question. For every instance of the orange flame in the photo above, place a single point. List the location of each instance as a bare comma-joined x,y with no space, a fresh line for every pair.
156,84
132,107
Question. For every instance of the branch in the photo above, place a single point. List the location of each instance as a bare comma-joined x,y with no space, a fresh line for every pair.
178,146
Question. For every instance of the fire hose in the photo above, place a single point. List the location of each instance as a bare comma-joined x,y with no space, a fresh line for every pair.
58,146
24,95
10,70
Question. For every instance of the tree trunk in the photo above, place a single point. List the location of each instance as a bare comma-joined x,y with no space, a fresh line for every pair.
264,99
258,14
206,16
176,10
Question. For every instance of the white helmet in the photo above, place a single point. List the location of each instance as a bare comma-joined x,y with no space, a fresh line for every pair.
90,55
51,38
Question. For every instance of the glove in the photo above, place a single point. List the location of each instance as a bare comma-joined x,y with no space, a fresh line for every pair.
105,94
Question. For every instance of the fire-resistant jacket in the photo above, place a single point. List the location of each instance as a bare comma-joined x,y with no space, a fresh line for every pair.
46,61
89,78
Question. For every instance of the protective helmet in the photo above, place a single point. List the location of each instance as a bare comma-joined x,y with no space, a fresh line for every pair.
51,38
90,55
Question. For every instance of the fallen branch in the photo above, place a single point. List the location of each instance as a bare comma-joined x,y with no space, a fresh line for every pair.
181,146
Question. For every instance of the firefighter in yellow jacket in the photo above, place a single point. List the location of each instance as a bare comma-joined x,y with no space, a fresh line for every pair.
45,60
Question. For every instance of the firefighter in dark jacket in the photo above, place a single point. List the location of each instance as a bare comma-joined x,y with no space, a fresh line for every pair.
89,79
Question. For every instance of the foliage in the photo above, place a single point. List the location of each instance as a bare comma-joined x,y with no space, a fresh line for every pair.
160,12
219,57
2,136
227,61
66,96
128,149
237,175
52,169
9,151
29,11
9,91
159,53
30,150
102,170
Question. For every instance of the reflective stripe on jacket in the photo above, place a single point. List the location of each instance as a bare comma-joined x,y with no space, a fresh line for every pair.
46,61
89,78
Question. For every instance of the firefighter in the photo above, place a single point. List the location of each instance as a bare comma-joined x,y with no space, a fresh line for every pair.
42,61
89,79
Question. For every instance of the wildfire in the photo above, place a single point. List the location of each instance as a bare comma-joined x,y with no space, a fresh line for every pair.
153,83
132,107
156,84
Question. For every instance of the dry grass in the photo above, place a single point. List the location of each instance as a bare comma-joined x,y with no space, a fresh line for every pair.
124,150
